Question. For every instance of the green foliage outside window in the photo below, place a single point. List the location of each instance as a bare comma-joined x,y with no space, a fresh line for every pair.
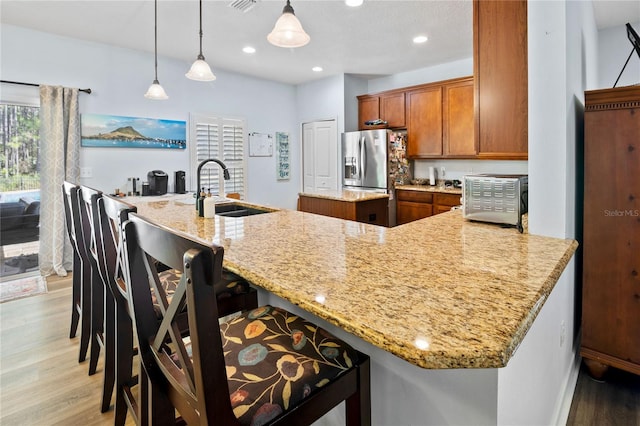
20,136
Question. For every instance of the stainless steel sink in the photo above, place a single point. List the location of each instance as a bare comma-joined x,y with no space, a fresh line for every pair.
238,210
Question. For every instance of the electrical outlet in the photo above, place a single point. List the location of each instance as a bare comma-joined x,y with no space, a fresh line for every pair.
441,171
563,333
86,172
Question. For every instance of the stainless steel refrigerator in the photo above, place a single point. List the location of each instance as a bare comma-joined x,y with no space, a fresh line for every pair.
374,160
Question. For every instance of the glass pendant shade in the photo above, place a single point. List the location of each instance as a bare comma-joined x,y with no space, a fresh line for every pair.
200,71
288,31
156,92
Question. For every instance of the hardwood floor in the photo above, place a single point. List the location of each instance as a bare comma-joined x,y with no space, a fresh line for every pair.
40,378
613,402
41,382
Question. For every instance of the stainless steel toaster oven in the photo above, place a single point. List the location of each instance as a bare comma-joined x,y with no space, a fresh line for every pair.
495,198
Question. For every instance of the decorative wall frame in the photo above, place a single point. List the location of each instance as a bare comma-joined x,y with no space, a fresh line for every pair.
283,169
115,131
260,144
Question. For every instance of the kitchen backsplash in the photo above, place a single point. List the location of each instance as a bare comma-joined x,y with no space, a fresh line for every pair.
455,169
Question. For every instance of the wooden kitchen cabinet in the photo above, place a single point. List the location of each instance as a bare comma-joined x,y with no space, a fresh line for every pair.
388,106
412,205
392,109
374,211
458,120
611,231
501,86
424,122
443,202
368,109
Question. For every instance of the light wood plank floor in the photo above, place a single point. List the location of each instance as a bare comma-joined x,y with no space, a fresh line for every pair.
41,382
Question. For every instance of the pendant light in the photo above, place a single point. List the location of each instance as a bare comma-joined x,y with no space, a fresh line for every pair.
200,70
288,31
156,91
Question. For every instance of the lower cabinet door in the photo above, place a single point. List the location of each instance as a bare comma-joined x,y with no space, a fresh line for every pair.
408,211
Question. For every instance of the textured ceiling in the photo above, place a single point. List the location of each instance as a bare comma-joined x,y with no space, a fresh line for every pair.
374,39
371,40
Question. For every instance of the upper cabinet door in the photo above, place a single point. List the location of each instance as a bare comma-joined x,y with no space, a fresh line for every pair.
368,109
458,131
392,110
424,122
500,69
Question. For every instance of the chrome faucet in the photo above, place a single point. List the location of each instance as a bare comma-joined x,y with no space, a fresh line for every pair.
225,173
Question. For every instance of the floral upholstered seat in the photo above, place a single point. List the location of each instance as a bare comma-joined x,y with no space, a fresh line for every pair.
264,366
279,360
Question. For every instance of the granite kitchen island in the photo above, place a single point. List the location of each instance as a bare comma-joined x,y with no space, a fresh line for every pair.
361,206
440,304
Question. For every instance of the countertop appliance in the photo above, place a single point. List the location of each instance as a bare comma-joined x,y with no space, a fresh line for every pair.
495,198
372,160
180,182
158,181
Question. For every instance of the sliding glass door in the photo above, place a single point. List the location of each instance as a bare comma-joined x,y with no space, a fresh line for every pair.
19,189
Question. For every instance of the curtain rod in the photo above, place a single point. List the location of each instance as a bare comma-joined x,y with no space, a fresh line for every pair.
37,85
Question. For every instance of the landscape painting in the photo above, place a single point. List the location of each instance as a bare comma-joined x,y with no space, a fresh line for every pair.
132,132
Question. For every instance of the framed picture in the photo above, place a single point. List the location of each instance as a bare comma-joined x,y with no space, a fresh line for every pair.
282,149
132,132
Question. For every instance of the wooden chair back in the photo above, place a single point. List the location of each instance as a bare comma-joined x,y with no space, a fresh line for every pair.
81,284
109,215
101,319
177,380
69,193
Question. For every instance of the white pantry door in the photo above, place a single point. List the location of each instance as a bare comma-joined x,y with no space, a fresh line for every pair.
320,156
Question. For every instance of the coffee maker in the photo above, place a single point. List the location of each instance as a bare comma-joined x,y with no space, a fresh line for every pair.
157,182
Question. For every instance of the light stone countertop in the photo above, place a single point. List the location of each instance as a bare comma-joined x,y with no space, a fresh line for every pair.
428,188
346,195
440,292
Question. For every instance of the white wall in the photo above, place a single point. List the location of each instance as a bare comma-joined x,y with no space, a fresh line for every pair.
353,86
455,169
455,69
321,100
119,78
613,50
562,63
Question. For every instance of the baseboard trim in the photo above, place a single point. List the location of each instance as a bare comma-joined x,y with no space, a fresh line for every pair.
564,407
55,282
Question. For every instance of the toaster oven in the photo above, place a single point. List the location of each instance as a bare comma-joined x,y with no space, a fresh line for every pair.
495,198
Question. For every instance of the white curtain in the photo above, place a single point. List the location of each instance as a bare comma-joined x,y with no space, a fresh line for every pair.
59,161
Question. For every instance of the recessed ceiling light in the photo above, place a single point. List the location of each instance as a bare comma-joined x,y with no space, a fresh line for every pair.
249,49
420,39
316,69
353,3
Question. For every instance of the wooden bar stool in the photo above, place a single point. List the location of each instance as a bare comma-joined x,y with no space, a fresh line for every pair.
267,366
81,284
232,294
102,304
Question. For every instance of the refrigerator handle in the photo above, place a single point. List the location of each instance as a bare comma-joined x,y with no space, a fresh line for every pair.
363,157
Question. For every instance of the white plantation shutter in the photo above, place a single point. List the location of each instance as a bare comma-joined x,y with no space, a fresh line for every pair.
223,139
233,155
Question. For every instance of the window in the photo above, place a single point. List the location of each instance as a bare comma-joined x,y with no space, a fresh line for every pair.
19,131
225,140
19,189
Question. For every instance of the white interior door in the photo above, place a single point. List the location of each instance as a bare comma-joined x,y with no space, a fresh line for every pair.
320,156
